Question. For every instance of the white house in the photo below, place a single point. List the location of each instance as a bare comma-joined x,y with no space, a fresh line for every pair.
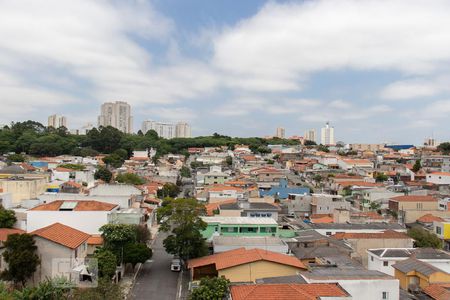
86,216
359,283
348,164
438,178
382,259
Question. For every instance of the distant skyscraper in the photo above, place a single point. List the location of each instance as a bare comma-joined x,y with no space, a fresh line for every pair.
183,130
57,121
116,114
163,129
311,135
327,135
280,132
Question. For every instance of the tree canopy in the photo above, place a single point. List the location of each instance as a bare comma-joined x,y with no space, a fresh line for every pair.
103,173
181,218
7,217
211,288
36,139
135,253
424,238
107,262
130,178
168,190
21,257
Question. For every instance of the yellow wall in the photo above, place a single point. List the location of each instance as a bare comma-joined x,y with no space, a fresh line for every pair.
424,281
446,230
259,269
24,189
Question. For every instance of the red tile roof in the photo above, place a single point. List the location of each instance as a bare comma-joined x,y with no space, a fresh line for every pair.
73,184
82,205
438,291
359,183
219,188
211,207
414,198
4,232
242,256
95,239
429,218
63,235
388,234
441,173
287,291
61,169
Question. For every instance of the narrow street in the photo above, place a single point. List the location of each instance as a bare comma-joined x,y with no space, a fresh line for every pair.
156,280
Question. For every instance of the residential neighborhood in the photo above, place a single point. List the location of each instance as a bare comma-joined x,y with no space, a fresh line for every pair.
224,150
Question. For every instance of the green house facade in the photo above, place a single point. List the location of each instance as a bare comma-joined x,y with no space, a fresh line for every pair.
239,226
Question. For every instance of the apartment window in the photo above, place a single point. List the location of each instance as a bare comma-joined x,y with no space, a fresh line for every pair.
385,295
385,263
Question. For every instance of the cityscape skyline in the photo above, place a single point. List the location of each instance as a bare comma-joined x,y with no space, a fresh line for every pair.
350,73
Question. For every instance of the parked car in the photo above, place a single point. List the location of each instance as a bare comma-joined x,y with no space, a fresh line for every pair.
176,264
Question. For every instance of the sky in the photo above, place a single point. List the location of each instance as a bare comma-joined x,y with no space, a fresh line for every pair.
377,70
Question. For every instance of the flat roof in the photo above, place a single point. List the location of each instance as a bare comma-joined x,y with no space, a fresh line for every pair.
240,220
376,226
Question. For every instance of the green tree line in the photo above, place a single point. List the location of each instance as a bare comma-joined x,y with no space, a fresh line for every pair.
34,138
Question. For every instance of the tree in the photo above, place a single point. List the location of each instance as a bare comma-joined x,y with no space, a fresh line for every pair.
75,167
7,217
168,190
185,172
143,235
113,160
104,174
309,143
107,262
417,166
181,217
211,288
105,290
374,205
130,178
16,158
116,236
229,160
135,253
323,148
21,257
424,239
444,147
381,177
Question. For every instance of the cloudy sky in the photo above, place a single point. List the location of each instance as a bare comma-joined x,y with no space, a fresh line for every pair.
378,70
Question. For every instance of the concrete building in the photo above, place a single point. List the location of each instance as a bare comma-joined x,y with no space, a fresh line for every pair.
24,188
62,251
327,135
281,132
311,135
57,121
116,114
367,147
87,216
183,130
439,178
163,129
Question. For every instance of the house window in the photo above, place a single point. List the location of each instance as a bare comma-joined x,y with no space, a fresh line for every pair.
230,229
385,296
216,228
438,230
385,263
371,258
328,233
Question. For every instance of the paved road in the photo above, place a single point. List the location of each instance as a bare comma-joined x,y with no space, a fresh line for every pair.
155,280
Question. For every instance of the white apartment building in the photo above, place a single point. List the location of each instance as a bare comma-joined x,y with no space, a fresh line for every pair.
183,130
327,135
311,135
57,121
163,129
281,132
168,130
116,114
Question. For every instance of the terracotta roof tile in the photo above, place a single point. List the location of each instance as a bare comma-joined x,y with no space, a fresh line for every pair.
210,207
81,205
287,291
429,218
438,291
63,235
4,232
241,256
95,239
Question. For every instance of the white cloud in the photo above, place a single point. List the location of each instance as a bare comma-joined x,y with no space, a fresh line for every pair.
283,43
416,88
173,114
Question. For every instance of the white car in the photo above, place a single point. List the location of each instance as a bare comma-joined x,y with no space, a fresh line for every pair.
175,265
